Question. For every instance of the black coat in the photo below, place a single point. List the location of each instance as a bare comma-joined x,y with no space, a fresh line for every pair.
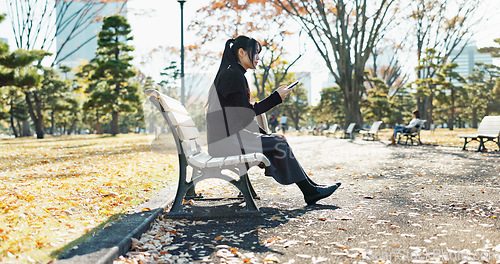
232,129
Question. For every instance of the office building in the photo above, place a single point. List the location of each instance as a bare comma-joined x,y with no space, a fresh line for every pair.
468,58
70,55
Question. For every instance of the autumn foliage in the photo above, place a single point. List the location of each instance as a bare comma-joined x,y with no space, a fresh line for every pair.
58,189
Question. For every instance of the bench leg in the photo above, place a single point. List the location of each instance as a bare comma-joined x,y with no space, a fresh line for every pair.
481,145
191,194
243,184
465,144
252,190
182,187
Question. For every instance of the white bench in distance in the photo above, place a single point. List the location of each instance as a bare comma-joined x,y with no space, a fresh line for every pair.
373,132
349,131
489,130
332,130
187,140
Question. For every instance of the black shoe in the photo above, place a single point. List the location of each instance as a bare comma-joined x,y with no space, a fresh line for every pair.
322,192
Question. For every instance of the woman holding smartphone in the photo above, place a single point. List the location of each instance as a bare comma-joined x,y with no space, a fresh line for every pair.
231,125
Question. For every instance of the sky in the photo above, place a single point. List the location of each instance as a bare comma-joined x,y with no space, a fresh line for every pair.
156,24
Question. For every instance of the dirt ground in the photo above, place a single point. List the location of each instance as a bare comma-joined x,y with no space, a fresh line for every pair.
397,204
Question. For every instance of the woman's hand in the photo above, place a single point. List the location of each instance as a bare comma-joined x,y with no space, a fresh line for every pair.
283,91
279,135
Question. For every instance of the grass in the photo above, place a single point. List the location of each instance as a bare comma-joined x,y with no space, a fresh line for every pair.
57,189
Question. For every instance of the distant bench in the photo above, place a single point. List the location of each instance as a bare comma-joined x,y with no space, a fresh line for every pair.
413,133
488,130
373,132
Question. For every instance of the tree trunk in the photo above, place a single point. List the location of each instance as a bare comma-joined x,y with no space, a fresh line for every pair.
474,117
430,120
36,119
14,130
26,128
296,119
52,123
452,114
98,127
72,127
421,107
40,131
114,113
114,123
352,108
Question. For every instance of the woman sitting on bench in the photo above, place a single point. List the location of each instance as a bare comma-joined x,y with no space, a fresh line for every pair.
231,116
414,123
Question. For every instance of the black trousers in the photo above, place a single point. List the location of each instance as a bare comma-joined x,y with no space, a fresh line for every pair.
284,168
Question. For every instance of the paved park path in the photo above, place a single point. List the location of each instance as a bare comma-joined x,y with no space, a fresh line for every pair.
397,204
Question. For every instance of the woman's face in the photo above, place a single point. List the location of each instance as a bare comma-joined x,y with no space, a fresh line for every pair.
245,60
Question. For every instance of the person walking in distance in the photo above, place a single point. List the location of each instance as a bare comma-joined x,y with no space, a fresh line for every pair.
283,126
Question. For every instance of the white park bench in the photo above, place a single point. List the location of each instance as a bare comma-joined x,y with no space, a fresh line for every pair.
187,140
332,130
373,132
349,131
413,133
488,130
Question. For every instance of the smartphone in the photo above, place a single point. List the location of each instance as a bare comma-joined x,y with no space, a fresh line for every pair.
290,86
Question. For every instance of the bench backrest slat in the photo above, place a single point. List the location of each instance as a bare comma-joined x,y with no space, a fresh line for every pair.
374,128
489,126
172,105
181,120
181,124
186,133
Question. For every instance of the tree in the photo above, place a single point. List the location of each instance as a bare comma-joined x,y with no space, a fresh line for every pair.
426,87
58,98
170,75
38,23
296,106
345,34
483,92
87,86
448,90
24,75
493,51
391,72
441,26
113,70
376,106
257,17
401,104
329,109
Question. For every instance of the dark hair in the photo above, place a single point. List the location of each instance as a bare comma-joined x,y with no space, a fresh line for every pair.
250,45
416,113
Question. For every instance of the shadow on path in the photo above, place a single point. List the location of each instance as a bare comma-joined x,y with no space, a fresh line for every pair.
220,229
